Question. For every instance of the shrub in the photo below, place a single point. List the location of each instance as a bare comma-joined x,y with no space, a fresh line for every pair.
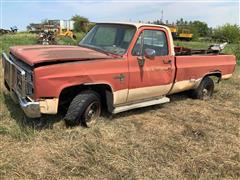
227,32
80,23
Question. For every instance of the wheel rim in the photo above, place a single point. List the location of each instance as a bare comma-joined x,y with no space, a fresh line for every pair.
92,113
206,92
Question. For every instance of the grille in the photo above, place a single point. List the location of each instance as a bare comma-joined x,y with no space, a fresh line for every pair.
16,78
29,84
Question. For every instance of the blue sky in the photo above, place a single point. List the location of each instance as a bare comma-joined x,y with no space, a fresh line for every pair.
213,12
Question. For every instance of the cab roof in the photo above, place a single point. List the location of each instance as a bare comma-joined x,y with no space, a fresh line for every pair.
137,25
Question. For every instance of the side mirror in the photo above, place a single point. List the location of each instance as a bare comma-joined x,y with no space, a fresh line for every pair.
150,53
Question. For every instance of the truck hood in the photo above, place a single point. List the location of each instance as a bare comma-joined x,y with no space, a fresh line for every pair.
36,54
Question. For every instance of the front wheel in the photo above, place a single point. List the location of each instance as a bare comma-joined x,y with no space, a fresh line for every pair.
84,109
205,89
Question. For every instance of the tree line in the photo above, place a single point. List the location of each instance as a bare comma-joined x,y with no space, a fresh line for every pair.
224,33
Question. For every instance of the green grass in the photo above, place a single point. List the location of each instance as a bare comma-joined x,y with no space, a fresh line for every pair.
192,44
9,40
184,139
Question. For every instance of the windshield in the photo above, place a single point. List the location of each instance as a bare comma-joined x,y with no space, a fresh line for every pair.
110,38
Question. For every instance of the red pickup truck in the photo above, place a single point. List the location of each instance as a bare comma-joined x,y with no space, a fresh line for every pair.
117,66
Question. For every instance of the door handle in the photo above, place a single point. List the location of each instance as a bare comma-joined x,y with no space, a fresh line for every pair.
169,61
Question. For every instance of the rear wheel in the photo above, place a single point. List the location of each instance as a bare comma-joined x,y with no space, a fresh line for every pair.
84,109
205,89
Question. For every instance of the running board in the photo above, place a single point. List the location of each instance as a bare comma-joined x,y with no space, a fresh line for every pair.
139,105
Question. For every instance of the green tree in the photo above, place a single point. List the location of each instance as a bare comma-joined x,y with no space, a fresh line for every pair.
80,23
201,28
227,32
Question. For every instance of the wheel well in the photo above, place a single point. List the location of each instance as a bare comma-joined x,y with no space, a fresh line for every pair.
104,90
216,74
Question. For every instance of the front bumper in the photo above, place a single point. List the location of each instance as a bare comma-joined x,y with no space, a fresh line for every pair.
34,109
30,108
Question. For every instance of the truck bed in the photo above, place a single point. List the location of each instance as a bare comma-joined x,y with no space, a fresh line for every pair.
190,69
196,66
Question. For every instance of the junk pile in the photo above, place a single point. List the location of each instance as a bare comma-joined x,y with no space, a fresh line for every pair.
12,30
50,29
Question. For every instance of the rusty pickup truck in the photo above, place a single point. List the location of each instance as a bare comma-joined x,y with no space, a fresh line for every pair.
116,66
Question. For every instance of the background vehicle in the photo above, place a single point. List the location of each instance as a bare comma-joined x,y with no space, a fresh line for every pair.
180,33
185,34
12,30
58,27
120,66
173,30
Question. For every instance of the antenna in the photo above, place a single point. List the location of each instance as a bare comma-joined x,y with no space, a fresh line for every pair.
161,16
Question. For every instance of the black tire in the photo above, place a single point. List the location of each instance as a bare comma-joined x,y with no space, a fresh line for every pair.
84,109
205,89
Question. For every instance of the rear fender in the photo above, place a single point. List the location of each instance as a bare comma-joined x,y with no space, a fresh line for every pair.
216,74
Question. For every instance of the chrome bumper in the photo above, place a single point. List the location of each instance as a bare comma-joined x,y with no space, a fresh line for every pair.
30,108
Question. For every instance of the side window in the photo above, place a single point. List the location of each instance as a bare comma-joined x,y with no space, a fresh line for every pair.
152,39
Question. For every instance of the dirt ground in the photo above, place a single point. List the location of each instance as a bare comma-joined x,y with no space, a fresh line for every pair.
184,139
